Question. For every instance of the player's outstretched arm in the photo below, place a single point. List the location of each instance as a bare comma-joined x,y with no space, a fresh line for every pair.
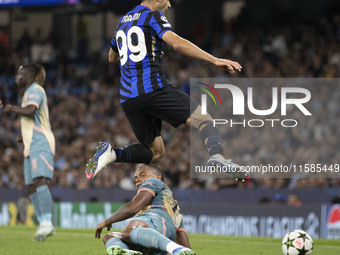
28,110
127,211
182,239
189,49
113,56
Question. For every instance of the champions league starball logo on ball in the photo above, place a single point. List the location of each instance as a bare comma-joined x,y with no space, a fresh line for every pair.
282,99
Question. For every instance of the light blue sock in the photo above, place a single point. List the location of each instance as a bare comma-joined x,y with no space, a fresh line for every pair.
45,202
117,242
149,238
35,203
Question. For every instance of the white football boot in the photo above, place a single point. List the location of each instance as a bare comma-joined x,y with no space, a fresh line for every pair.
103,156
45,230
231,169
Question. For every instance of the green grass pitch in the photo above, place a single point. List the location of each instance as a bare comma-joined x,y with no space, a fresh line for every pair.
17,240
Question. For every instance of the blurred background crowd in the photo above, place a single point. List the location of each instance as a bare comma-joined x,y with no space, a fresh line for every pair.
83,94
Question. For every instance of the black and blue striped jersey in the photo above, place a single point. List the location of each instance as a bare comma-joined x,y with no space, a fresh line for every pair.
138,40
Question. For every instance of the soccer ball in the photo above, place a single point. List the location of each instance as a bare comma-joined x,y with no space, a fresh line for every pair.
297,242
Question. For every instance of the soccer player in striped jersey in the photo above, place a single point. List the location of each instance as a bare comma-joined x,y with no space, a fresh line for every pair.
147,98
39,144
155,220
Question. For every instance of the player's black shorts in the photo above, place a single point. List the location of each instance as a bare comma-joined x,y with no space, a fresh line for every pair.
146,112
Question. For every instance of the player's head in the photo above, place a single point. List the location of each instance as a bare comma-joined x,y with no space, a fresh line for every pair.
29,73
145,172
159,5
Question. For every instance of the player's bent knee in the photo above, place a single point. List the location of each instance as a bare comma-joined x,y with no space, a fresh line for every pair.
158,149
196,118
157,155
110,235
131,225
126,237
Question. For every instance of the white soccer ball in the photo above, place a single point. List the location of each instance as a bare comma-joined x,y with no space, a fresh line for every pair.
297,242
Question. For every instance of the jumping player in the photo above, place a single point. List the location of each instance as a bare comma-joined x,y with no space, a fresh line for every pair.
147,98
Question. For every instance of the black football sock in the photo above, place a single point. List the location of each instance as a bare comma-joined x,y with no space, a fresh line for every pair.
211,138
134,153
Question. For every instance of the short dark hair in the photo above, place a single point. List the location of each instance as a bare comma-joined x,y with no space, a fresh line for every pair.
155,170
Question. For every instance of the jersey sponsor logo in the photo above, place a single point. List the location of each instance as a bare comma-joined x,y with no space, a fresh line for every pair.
33,96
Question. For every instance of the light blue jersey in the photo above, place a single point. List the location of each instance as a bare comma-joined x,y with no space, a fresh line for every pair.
38,139
162,206
36,132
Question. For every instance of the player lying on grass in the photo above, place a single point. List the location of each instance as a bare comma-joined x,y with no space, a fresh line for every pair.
156,222
147,98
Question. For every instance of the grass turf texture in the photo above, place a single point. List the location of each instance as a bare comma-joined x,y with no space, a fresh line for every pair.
18,240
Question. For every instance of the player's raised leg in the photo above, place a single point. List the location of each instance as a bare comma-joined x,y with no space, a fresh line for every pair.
105,154
213,142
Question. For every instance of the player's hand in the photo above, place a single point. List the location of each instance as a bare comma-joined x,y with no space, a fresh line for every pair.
7,108
228,65
19,138
108,227
1,104
100,227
